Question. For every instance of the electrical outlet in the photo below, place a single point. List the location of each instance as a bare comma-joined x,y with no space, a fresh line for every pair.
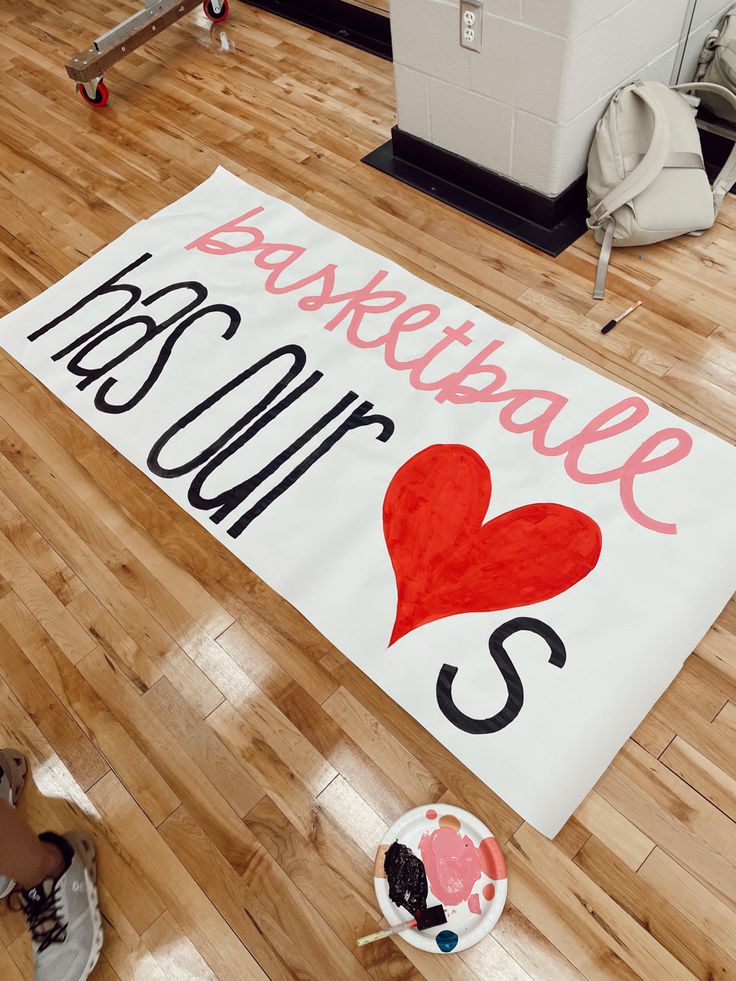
471,24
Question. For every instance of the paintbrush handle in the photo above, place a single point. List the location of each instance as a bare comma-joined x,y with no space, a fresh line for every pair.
382,934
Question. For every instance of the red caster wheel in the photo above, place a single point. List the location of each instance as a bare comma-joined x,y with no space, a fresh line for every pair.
210,14
101,96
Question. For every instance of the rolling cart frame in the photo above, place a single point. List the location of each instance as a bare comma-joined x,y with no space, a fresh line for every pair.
87,67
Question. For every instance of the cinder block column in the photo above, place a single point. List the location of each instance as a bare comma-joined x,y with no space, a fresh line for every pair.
526,106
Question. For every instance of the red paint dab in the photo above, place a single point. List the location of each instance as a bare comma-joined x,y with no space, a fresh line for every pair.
489,891
431,815
491,859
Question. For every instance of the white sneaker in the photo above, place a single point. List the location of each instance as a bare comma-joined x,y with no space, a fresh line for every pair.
63,915
13,769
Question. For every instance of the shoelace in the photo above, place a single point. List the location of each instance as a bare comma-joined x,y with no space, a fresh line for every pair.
43,915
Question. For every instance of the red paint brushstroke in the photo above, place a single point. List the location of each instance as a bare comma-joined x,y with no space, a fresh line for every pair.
447,561
491,859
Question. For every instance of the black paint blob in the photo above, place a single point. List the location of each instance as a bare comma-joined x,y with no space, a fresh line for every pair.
407,881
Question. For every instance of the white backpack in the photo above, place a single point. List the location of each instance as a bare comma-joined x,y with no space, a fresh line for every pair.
646,177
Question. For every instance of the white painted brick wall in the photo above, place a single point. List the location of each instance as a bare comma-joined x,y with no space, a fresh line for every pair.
510,9
412,101
426,37
483,131
519,65
527,105
616,48
568,19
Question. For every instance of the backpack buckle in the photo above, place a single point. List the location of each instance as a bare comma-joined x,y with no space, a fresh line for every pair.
597,215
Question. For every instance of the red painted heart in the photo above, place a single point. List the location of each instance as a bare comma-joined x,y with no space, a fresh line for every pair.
447,561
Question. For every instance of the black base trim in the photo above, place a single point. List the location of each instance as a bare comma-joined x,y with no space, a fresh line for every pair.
364,29
549,224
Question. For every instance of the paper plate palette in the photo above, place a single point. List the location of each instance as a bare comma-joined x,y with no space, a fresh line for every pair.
466,873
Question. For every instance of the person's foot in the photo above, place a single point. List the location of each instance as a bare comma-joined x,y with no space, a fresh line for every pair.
13,769
63,915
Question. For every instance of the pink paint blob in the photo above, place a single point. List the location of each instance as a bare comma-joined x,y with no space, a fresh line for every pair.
431,815
452,863
474,904
489,891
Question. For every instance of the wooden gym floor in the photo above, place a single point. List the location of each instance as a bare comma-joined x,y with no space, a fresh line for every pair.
234,769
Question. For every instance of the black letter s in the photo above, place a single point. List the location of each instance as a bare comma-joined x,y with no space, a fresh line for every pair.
515,698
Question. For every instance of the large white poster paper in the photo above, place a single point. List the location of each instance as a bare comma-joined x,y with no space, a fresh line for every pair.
519,551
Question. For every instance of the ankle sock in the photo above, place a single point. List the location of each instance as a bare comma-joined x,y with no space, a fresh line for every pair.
67,852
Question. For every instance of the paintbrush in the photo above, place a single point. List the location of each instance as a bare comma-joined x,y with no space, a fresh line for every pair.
434,916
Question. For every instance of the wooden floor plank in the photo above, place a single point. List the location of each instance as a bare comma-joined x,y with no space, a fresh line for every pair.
214,939
676,930
274,906
235,771
327,889
684,824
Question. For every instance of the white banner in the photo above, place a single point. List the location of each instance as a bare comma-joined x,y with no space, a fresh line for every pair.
518,551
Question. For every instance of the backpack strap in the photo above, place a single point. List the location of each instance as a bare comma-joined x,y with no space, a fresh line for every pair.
645,172
599,287
727,177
